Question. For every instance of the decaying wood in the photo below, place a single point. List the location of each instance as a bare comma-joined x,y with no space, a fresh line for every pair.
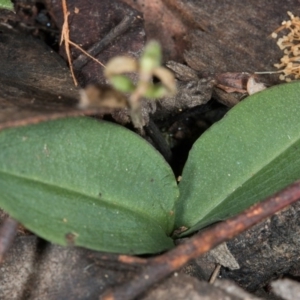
266,250
163,265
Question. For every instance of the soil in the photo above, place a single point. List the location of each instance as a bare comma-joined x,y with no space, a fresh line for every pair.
213,48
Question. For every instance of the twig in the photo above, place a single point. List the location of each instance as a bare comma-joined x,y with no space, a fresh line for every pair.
162,266
215,274
66,38
8,231
87,54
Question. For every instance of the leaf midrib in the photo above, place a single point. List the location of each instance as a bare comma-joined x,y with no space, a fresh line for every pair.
85,195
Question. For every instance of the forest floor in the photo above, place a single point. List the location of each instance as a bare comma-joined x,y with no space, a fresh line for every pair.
213,47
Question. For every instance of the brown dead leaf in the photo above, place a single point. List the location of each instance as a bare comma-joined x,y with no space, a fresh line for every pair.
233,82
239,83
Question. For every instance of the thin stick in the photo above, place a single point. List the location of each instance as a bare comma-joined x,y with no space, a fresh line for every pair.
87,54
215,274
269,72
66,38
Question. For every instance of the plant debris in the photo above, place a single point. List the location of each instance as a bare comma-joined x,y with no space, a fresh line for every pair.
197,34
65,37
290,44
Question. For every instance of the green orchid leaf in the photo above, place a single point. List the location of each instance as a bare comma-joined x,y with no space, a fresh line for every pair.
6,4
253,152
88,183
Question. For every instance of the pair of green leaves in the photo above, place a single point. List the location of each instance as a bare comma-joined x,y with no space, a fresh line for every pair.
94,184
